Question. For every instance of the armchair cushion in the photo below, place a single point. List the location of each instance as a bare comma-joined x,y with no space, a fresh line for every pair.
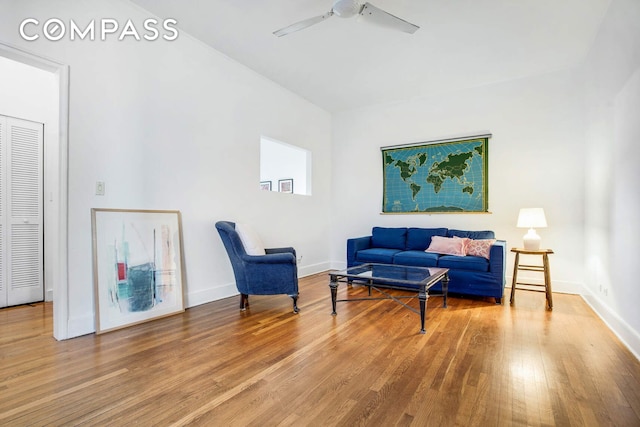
250,240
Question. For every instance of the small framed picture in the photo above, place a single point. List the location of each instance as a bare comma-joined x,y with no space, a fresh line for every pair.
285,185
265,185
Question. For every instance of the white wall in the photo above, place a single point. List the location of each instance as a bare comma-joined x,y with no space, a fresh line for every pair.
30,93
611,76
535,160
176,125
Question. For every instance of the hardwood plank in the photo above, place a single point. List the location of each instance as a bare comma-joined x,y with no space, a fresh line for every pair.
479,364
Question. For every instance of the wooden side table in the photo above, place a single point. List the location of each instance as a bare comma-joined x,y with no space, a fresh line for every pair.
544,268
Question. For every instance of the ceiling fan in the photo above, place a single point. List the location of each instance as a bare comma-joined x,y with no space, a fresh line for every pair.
348,9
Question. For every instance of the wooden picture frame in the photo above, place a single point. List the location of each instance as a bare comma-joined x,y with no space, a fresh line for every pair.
138,266
285,185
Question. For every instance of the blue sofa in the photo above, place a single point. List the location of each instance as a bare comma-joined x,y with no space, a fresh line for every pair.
468,275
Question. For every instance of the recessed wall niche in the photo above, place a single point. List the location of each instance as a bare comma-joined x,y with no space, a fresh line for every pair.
284,167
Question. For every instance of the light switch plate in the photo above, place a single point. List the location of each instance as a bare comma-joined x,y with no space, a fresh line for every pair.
100,188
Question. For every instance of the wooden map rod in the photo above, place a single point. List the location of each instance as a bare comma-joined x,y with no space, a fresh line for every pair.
438,141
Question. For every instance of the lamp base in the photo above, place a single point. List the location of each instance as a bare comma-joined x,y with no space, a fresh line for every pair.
531,241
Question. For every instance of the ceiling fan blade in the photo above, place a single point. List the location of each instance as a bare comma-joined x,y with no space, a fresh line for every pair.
386,19
302,24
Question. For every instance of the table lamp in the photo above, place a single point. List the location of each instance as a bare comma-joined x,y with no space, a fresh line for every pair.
531,218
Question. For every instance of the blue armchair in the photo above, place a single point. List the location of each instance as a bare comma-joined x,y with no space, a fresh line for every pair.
271,274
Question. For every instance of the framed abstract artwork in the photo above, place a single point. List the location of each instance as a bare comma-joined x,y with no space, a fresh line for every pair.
138,266
285,185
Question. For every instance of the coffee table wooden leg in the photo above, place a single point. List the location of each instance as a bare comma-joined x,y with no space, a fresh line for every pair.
422,296
515,278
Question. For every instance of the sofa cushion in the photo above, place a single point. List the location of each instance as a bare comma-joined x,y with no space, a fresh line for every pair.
416,259
419,239
486,234
474,263
390,238
376,255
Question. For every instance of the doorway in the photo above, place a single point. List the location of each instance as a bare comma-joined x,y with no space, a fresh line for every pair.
55,177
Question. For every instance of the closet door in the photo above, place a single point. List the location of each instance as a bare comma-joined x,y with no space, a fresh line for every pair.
3,212
22,232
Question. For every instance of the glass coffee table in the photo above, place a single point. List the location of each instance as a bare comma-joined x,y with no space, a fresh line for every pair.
385,276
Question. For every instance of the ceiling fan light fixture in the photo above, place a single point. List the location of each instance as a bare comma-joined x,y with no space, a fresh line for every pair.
346,8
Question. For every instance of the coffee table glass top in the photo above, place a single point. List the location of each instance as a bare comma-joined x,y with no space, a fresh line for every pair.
396,274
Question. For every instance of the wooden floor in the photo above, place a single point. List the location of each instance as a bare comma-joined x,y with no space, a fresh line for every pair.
479,364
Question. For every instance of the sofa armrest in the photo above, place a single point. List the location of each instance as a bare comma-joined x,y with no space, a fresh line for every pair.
354,245
498,260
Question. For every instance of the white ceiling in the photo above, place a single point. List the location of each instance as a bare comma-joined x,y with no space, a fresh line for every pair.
341,64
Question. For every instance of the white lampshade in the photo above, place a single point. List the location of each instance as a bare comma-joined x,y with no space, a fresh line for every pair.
531,218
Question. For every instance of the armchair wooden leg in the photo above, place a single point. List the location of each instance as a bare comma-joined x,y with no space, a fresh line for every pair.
244,302
295,303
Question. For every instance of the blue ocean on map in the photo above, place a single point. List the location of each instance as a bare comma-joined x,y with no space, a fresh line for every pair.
445,177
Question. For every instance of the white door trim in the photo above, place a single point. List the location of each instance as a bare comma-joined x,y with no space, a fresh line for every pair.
56,267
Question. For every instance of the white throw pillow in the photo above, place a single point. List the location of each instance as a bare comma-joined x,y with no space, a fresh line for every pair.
250,240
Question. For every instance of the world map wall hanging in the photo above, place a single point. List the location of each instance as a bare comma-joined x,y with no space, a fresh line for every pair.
436,177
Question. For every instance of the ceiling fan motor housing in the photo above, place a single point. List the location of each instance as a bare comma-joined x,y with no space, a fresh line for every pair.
346,8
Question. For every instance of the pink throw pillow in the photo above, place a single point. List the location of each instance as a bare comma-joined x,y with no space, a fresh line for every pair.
465,242
480,247
448,245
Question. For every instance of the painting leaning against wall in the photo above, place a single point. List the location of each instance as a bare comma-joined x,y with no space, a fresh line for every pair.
138,266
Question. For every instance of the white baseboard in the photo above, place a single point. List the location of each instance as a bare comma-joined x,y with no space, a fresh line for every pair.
84,325
229,289
193,299
629,337
338,265
81,325
309,270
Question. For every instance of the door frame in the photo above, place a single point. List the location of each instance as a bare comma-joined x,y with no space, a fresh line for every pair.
56,180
